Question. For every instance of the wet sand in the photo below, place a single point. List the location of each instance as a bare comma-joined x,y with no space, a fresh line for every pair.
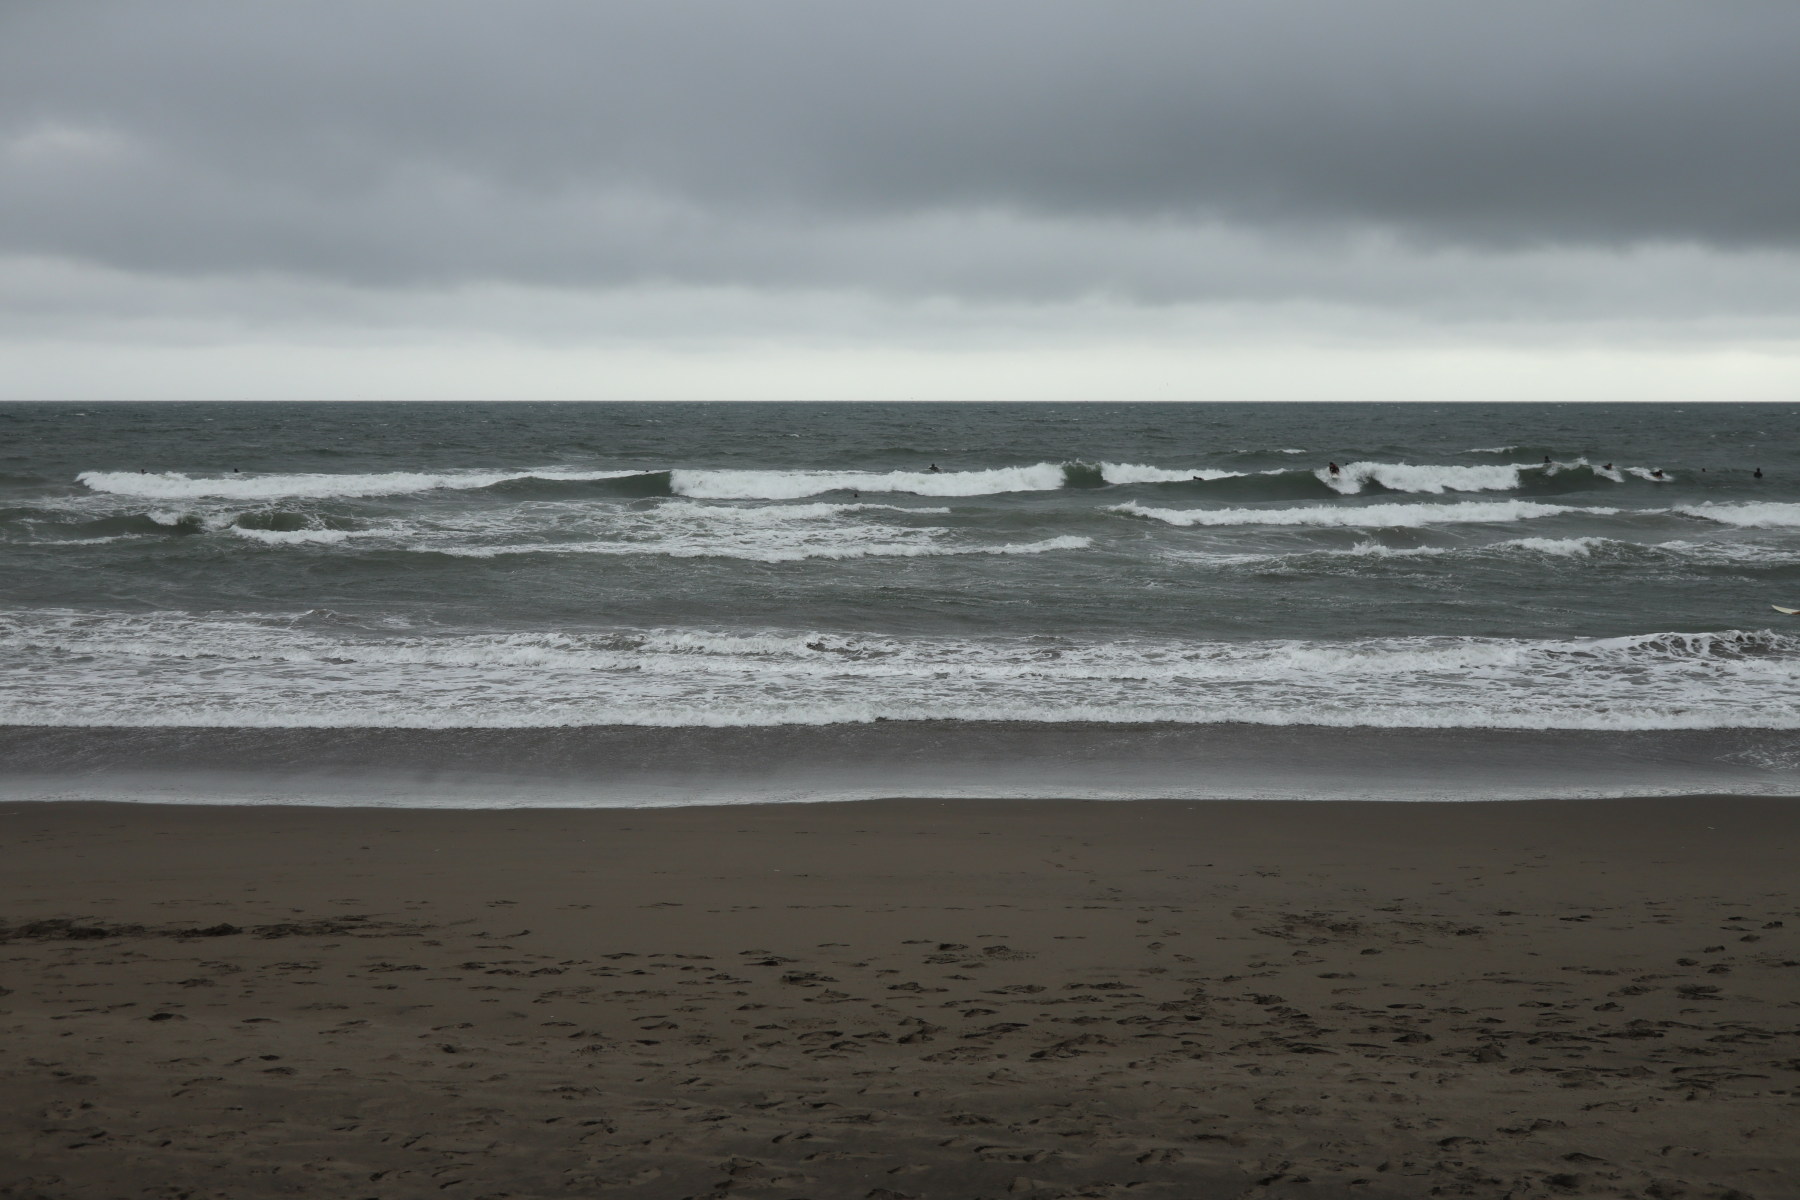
902,999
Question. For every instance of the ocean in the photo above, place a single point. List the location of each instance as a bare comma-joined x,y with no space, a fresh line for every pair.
518,603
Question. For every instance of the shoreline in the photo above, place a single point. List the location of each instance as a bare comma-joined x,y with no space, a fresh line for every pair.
902,998
643,765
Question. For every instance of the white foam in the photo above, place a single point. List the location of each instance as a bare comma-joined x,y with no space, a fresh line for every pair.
295,537
1402,477
311,670
1647,474
777,514
1138,473
1581,547
1309,558
1377,550
794,485
1551,469
1372,516
1753,553
174,485
1577,547
769,553
1717,553
681,528
769,532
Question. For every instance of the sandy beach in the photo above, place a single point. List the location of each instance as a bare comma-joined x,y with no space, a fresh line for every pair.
902,999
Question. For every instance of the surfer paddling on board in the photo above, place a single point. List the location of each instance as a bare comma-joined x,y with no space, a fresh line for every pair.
934,469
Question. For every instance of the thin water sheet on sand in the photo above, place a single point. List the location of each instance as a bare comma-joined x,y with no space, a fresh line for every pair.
635,766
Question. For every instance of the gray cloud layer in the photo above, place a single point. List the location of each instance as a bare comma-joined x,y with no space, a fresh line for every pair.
997,147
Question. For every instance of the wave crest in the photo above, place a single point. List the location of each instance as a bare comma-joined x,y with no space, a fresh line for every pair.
174,485
796,485
1125,473
1401,477
1755,515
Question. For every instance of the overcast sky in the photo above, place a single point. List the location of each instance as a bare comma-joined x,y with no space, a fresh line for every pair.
987,199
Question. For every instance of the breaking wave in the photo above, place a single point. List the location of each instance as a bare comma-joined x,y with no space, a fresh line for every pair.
1581,547
1766,515
795,485
1137,473
1399,477
1430,479
173,485
775,484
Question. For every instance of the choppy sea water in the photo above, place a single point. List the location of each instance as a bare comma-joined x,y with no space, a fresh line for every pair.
1104,599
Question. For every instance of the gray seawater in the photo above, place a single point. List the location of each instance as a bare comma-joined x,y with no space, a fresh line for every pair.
608,602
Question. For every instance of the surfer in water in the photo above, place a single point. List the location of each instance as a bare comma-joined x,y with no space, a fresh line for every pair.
1333,468
1756,474
934,469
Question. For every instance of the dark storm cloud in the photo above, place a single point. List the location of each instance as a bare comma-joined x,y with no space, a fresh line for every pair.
879,145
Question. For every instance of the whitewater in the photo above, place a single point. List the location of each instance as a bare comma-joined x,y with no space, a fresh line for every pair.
279,670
